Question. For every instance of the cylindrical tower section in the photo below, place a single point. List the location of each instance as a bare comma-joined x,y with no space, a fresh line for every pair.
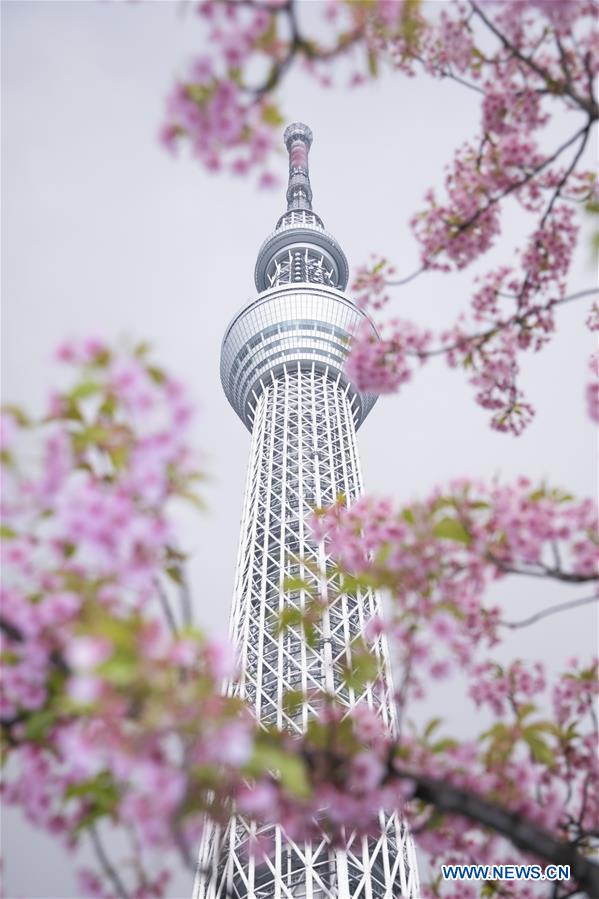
307,325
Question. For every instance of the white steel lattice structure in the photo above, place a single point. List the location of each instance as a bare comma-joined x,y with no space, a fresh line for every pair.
282,371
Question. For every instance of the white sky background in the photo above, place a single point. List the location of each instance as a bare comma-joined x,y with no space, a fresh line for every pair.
103,233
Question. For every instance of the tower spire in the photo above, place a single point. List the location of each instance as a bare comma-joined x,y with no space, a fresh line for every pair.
300,250
298,140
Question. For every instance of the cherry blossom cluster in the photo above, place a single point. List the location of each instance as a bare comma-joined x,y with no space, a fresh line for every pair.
226,121
111,703
592,389
525,60
224,105
381,363
370,285
532,67
511,312
438,557
541,766
107,711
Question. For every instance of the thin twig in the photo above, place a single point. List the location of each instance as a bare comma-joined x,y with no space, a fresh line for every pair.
166,607
545,613
566,175
483,336
407,279
544,571
106,865
185,596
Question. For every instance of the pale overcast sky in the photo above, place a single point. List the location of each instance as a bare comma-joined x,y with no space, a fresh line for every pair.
103,233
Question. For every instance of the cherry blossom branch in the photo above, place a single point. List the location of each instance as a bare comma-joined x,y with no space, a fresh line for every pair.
566,175
523,834
561,607
516,185
543,571
298,44
105,863
407,279
519,319
589,107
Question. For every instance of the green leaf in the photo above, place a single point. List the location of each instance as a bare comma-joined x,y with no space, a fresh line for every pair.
541,752
265,41
451,529
373,64
525,710
38,724
432,725
142,349
174,572
102,789
119,669
364,669
192,498
119,456
444,744
85,389
289,769
156,374
93,435
293,583
288,617
199,93
272,116
17,413
293,700
6,532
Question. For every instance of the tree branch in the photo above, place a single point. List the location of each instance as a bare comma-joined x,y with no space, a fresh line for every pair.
543,571
106,865
545,613
523,834
518,319
589,107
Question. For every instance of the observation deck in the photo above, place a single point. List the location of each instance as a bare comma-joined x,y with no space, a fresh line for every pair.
303,325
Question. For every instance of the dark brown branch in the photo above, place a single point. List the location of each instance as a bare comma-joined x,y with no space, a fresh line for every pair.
109,870
553,610
11,631
565,176
298,45
15,633
544,571
523,834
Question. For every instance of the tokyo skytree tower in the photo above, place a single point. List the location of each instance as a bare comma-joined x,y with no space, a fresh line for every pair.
282,369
